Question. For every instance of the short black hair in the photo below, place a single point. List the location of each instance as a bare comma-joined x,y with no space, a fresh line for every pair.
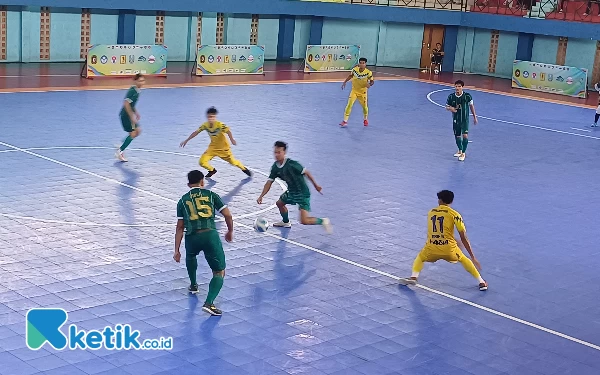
138,76
212,111
459,82
446,196
194,177
362,59
438,43
281,144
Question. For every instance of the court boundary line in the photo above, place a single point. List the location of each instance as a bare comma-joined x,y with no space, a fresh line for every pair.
120,225
513,122
322,252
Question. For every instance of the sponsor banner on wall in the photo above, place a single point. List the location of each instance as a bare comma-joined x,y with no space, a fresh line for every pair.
556,79
331,58
126,60
230,59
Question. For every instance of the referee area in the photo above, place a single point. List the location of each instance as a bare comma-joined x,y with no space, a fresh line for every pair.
84,232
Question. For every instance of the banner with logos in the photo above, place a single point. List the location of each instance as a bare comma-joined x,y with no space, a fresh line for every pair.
126,60
230,59
556,79
331,58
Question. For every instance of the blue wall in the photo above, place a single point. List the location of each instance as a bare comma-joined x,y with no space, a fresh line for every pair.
301,37
268,31
238,28
104,28
177,35
363,33
65,35
400,45
544,49
13,36
145,27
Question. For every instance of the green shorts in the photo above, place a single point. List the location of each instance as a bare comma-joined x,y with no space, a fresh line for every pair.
303,202
126,123
461,128
208,242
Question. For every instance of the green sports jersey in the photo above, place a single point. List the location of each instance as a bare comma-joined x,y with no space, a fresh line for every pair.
132,97
197,209
461,103
292,173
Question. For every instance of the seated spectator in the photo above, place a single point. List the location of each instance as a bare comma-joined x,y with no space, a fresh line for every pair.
437,56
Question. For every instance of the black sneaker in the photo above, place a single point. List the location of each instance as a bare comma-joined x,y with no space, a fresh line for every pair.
212,310
483,286
193,289
247,172
211,173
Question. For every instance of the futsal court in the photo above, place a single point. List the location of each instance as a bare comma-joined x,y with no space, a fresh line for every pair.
83,232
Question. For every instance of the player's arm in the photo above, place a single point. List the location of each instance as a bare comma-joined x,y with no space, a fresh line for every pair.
179,231
472,107
130,111
346,81
265,190
371,80
192,136
462,232
312,180
449,107
233,142
229,222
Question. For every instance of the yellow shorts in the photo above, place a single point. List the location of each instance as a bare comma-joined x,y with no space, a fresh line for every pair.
223,154
432,254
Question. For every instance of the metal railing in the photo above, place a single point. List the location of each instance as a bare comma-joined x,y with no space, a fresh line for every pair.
564,10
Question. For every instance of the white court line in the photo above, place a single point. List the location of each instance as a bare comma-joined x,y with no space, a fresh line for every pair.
582,130
374,270
255,213
512,122
169,74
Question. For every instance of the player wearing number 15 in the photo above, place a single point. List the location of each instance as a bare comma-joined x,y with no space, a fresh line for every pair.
441,244
196,217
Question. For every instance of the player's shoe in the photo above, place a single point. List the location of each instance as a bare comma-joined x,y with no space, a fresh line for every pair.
211,173
119,155
594,125
366,122
193,289
483,286
462,157
281,224
408,281
458,153
326,223
212,310
343,124
247,172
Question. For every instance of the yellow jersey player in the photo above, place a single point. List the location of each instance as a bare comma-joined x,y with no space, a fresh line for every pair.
362,79
441,244
219,147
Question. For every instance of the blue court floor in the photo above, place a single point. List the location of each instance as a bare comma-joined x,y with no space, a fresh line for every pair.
81,232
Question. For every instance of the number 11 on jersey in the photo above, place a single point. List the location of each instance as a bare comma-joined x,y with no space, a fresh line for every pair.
434,220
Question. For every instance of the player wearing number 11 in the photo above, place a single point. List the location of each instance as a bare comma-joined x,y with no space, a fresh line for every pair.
441,244
196,217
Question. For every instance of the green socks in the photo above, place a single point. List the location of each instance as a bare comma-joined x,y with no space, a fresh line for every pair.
459,143
126,143
318,221
191,263
286,216
216,283
465,143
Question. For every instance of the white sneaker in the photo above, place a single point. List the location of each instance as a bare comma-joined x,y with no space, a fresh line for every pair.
408,281
458,153
281,224
462,157
327,225
119,155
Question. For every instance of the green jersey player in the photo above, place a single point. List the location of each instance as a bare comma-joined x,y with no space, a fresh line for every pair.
294,174
459,103
130,116
196,218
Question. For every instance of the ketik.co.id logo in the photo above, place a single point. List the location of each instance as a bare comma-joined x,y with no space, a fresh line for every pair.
44,326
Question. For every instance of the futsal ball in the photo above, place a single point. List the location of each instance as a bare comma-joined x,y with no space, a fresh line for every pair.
261,225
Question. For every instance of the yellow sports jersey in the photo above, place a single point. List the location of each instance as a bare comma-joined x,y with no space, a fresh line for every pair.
360,80
441,222
217,132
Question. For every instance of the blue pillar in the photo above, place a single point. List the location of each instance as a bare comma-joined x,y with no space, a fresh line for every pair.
126,33
525,46
450,40
316,31
285,41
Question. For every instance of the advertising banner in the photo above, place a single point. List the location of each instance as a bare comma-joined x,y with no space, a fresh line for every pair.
230,59
556,79
331,58
125,60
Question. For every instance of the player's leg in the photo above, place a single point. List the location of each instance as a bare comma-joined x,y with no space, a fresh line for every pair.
130,128
306,219
362,99
348,110
424,256
229,158
469,267
205,162
192,249
215,257
285,214
458,139
596,117
465,140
